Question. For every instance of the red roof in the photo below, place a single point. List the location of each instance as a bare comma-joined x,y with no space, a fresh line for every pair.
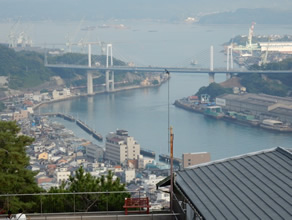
193,97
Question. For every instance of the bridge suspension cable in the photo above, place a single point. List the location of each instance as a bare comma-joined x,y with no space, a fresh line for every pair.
127,58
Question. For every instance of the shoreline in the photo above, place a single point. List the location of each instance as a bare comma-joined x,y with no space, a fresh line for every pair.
97,93
251,123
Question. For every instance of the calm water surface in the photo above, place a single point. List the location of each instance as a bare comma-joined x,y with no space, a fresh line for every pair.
144,113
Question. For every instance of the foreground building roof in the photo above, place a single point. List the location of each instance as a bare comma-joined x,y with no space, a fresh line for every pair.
251,186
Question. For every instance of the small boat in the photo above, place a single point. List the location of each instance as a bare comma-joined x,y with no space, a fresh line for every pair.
275,125
194,62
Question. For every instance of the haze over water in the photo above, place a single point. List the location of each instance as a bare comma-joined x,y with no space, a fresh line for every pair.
144,112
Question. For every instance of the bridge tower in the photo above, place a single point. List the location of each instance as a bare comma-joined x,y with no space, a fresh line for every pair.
211,73
89,73
109,75
229,61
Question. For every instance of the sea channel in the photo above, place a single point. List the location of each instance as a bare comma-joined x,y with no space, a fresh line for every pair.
144,112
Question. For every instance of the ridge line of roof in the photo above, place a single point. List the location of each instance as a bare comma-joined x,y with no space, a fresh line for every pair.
281,149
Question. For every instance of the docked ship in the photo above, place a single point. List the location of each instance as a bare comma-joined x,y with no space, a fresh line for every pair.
214,112
195,107
241,118
275,125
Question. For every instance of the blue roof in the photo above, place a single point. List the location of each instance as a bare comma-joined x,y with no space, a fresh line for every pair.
251,186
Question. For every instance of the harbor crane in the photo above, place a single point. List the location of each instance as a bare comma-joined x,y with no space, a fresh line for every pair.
249,45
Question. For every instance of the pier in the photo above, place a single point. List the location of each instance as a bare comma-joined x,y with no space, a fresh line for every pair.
166,159
80,123
147,153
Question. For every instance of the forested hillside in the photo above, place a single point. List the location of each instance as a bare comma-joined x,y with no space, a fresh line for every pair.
24,69
279,84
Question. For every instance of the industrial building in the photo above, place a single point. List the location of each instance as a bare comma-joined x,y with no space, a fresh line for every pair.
261,105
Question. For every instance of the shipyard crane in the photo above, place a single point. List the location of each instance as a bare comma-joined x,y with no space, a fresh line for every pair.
12,34
250,34
70,39
265,55
249,45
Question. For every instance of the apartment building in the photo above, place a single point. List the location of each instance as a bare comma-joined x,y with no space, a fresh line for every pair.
120,147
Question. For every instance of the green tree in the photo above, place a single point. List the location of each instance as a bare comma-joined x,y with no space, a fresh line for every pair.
85,182
214,90
15,178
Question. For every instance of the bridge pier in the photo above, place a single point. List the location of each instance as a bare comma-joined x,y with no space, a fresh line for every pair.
229,75
109,75
211,77
110,81
89,82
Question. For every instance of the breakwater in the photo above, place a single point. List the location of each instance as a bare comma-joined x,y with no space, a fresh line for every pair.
80,123
166,159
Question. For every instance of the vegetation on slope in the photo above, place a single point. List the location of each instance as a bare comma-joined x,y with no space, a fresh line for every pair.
15,178
279,84
85,182
25,69
214,90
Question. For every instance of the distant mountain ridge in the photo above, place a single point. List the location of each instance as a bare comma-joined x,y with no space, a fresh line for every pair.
171,10
246,16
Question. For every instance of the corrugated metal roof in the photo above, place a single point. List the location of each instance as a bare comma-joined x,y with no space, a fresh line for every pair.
251,186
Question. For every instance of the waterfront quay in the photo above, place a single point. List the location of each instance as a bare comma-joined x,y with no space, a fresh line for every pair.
80,123
265,111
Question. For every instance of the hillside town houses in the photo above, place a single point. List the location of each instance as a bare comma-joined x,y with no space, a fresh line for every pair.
57,153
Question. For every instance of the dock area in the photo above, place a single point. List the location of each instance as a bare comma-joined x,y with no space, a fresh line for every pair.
147,153
80,123
166,159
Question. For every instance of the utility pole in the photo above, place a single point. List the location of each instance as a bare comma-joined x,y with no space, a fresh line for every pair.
171,169
211,58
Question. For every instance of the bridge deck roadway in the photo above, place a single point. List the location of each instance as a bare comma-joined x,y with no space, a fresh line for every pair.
162,69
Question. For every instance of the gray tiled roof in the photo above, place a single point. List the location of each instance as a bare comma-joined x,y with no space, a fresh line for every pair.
251,186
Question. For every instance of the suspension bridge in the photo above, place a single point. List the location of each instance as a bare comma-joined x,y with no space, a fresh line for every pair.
109,69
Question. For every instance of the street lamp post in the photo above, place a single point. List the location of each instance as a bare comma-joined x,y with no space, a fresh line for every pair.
170,146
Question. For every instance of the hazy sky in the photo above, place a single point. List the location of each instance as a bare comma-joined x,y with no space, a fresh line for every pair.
125,9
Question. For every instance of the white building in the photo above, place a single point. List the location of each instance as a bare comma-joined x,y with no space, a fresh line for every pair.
28,96
61,94
151,182
120,147
129,175
62,175
143,161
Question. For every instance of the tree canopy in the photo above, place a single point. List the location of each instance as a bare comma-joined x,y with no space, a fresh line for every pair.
279,84
214,90
85,182
15,178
